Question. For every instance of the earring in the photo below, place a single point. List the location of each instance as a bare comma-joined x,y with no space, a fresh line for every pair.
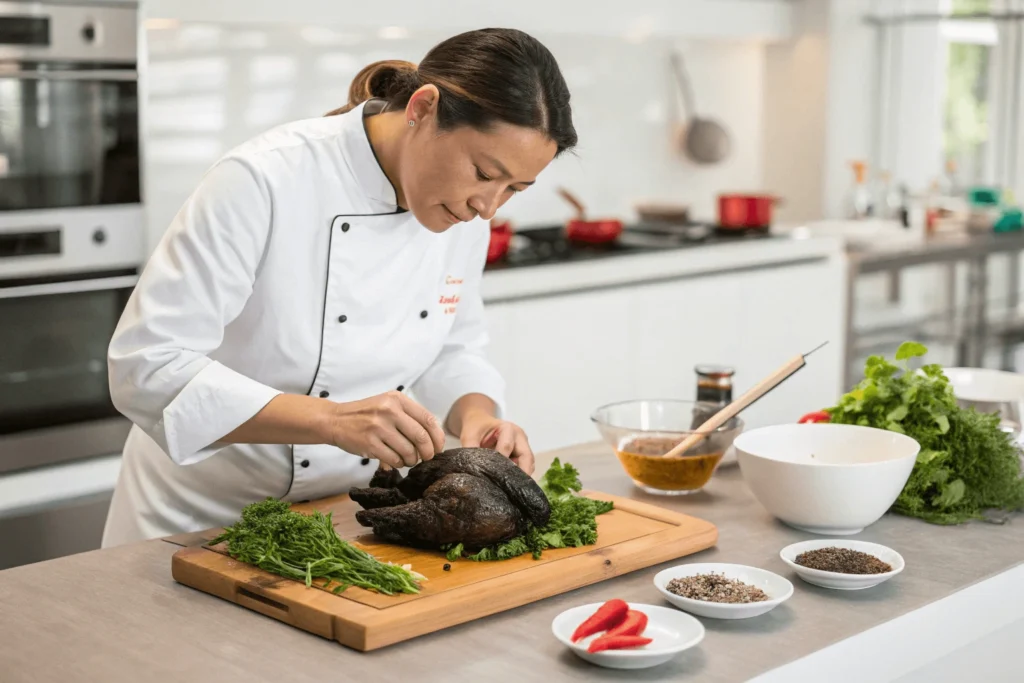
411,123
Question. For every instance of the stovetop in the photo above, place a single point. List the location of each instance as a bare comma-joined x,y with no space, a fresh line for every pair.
548,244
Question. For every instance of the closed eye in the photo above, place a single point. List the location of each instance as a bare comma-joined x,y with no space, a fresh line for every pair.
483,177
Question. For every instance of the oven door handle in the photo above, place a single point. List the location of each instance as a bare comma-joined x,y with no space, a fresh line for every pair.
84,75
75,286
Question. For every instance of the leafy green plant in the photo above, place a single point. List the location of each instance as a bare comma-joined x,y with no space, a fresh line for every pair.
306,547
967,464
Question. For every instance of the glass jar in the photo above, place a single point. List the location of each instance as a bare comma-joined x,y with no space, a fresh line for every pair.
714,391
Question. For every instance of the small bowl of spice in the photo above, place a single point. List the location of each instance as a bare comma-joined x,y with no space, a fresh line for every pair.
642,432
842,564
723,591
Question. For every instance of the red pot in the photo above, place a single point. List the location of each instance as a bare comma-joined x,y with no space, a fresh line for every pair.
501,237
744,211
593,232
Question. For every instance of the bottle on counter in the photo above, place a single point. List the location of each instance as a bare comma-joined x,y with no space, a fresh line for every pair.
858,202
714,391
890,201
949,184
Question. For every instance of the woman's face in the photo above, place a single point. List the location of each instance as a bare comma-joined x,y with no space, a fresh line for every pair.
456,175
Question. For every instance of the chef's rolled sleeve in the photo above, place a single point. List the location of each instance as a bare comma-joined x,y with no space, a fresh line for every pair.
462,367
195,284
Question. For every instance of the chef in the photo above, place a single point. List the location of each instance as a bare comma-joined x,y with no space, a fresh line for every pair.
314,307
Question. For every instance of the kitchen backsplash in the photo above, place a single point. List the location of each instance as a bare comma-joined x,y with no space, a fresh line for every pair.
210,87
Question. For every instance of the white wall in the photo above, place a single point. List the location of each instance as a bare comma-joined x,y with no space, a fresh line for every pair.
211,86
795,101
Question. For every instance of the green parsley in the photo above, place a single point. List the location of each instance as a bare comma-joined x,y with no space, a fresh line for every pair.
277,539
967,463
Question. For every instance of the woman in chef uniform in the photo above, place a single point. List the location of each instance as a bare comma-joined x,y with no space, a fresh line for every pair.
320,272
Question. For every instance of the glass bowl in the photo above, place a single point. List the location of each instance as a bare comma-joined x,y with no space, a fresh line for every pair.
642,431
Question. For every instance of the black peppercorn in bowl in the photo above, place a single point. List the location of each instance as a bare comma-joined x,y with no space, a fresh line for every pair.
843,564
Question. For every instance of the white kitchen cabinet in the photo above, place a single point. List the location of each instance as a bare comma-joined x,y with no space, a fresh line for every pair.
786,311
677,324
564,354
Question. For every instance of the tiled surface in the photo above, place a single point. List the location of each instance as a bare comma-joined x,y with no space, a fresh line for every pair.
211,87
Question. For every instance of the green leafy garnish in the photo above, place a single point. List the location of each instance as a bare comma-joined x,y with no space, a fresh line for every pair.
560,482
967,464
573,521
306,547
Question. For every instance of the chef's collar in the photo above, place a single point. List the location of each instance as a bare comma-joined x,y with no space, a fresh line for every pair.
365,165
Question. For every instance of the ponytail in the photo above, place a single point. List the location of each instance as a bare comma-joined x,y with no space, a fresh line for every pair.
392,79
483,77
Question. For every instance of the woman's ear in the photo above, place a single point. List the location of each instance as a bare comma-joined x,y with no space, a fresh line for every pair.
422,105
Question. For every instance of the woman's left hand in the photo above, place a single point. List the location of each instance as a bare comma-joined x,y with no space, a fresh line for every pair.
486,431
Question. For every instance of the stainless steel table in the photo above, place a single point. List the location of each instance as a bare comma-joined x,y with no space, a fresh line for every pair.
971,334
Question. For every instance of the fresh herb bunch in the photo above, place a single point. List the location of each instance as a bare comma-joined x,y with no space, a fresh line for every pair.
967,463
573,521
305,547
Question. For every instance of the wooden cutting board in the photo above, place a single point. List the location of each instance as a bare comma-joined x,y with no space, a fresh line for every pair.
632,536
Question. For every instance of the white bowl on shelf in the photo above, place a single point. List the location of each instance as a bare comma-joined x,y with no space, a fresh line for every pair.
991,391
670,631
827,479
775,587
839,580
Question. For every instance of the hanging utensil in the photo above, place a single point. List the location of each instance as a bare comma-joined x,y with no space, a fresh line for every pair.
745,401
705,141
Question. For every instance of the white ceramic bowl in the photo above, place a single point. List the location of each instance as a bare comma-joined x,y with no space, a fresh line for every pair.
991,391
828,479
775,587
670,632
838,580
985,385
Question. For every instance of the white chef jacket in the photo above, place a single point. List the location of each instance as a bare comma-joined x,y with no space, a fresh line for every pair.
289,269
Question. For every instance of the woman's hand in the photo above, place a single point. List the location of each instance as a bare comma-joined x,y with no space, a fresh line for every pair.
391,428
482,429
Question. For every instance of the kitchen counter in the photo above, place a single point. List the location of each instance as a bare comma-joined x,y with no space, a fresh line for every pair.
116,615
653,265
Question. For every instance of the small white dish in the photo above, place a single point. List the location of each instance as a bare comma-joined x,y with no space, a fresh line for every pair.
838,580
670,632
775,587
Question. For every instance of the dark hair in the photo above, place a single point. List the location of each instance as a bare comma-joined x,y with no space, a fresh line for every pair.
484,76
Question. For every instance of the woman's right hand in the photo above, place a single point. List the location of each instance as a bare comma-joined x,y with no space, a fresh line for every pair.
391,428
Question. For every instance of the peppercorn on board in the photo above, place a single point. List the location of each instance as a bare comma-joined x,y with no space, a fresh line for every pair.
632,536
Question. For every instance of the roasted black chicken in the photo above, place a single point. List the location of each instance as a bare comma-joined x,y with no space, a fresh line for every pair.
473,496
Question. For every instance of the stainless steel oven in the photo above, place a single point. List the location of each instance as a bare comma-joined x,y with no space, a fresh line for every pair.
71,223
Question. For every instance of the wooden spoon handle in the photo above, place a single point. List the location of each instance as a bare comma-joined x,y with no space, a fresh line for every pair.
733,409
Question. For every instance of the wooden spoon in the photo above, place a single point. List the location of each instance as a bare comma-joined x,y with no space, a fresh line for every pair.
733,409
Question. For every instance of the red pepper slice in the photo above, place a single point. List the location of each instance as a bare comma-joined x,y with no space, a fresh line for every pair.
816,416
608,615
617,643
634,625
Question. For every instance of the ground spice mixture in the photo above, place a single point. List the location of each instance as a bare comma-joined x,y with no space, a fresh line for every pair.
715,588
842,560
